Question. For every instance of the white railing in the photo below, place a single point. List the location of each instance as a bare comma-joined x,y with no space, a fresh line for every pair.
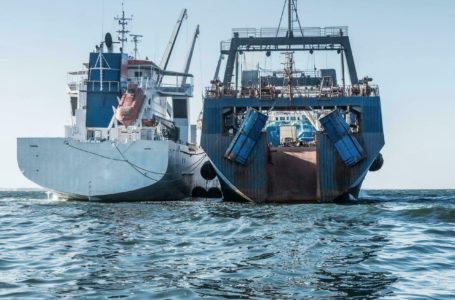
332,31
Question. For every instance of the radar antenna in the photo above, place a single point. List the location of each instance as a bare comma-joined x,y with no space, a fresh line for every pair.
123,21
136,40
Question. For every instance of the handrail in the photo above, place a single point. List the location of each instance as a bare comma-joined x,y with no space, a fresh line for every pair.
298,32
269,93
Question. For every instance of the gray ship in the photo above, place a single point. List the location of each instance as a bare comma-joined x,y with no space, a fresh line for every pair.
130,137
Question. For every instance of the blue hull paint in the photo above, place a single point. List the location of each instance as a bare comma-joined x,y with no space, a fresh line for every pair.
334,178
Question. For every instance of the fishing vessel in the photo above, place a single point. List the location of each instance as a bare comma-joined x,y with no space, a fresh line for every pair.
130,137
291,134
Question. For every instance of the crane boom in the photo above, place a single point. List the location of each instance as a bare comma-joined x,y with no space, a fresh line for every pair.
186,67
218,65
170,46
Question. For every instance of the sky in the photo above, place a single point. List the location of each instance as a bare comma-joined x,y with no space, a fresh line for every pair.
406,46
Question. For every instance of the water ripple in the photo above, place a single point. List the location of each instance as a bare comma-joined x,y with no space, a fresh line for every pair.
386,244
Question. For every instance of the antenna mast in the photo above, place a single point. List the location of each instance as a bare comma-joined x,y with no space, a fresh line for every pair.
290,34
136,41
123,22
292,10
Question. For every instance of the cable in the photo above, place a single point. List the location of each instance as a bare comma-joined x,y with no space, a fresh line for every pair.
281,18
132,165
93,153
297,15
191,168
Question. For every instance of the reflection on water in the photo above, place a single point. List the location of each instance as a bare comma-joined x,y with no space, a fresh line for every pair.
389,243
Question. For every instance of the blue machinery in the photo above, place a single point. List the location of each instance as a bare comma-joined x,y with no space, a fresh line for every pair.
347,122
246,137
345,143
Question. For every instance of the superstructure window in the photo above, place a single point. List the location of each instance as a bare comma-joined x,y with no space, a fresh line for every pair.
137,74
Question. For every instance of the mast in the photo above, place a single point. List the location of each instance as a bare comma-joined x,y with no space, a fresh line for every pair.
135,41
122,32
289,33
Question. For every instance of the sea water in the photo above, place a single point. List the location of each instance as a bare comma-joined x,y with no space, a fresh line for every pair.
392,244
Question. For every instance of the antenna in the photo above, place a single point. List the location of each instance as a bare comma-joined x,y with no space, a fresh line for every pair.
293,17
290,34
123,22
135,41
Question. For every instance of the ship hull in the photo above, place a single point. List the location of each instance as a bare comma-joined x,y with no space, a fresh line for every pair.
136,171
291,174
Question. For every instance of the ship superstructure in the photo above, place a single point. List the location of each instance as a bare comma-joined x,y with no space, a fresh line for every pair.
290,134
130,137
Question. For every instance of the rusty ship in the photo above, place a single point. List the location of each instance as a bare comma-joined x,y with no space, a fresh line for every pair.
291,135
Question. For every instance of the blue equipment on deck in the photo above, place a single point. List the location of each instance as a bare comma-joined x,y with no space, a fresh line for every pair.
340,134
247,136
304,130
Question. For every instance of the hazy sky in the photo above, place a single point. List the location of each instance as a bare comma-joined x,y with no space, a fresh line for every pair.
407,46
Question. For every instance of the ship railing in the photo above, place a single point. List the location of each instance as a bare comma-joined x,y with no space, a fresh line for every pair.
225,45
74,79
271,92
331,31
112,86
300,73
177,88
77,86
143,82
176,81
172,90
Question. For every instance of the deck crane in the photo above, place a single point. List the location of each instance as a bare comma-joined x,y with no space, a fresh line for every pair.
171,44
180,104
189,56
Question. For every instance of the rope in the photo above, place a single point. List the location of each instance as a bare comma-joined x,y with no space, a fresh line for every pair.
132,165
136,167
297,15
196,164
281,18
93,153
